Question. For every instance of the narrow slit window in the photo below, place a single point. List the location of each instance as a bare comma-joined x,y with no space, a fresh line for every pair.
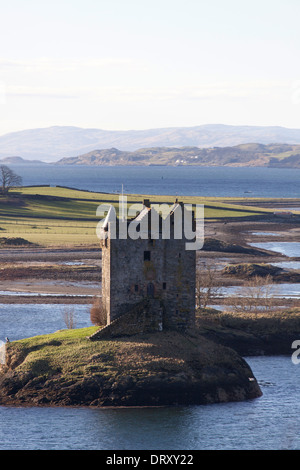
136,288
164,285
147,255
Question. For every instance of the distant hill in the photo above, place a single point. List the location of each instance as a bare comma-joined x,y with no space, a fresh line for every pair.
18,161
273,155
53,143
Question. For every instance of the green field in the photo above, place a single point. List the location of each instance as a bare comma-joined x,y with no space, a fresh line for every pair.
61,216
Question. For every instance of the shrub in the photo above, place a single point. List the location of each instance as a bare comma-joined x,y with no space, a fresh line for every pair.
98,313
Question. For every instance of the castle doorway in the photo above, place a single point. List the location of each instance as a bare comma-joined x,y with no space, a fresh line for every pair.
150,290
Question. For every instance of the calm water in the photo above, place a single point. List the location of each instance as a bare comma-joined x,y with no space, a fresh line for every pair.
288,264
193,181
270,422
268,234
290,249
19,321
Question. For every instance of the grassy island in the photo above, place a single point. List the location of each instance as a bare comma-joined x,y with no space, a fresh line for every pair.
165,368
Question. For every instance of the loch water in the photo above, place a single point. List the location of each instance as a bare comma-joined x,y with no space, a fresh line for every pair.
270,422
168,180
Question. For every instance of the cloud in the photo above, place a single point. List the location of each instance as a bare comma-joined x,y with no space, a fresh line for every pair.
40,92
204,91
242,89
2,92
63,65
126,94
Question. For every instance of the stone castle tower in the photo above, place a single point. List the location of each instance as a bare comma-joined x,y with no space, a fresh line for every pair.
150,270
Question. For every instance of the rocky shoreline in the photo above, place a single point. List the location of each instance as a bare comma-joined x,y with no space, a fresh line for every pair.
162,369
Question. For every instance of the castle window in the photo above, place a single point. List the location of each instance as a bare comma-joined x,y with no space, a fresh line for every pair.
147,255
179,255
164,285
136,288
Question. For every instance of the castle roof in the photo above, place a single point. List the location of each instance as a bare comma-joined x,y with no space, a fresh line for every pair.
144,212
149,221
110,217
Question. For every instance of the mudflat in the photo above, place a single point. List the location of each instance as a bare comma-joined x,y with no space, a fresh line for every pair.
73,275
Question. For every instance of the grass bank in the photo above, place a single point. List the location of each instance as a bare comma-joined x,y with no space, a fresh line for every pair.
62,216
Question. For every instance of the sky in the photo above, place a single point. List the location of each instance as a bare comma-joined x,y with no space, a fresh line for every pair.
142,64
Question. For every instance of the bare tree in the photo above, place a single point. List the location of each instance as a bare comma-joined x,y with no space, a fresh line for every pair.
257,295
206,287
8,179
69,317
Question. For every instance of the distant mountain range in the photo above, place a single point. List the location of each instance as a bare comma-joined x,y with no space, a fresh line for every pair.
54,143
18,161
273,155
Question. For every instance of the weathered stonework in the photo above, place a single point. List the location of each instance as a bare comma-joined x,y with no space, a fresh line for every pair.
134,270
144,317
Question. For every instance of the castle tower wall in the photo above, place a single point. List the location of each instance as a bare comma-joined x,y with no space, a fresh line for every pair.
163,269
